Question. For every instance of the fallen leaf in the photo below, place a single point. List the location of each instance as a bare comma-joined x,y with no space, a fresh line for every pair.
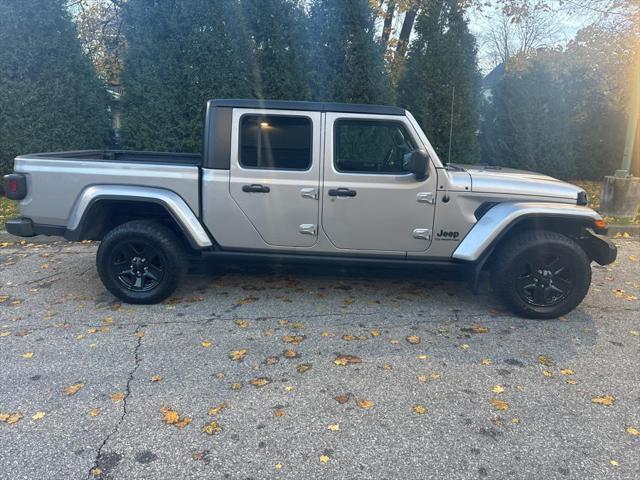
278,466
211,428
499,404
334,427
475,329
365,404
423,356
238,355
247,300
606,400
156,378
497,389
305,367
27,355
634,333
236,386
73,389
94,412
38,416
546,361
633,431
324,458
10,418
547,373
343,360
242,323
567,371
290,354
342,399
349,338
172,417
571,381
213,411
293,339
375,333
260,381
279,412
485,361
96,471
413,339
614,463
117,397
206,344
420,409
465,346
5,334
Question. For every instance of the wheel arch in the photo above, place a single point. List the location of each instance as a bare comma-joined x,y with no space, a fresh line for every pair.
100,208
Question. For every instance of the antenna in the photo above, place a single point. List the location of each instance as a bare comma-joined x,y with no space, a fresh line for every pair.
453,98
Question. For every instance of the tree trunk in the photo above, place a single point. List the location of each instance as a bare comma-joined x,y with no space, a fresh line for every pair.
388,21
407,28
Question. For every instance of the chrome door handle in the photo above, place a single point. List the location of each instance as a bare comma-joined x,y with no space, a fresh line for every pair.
426,197
308,229
423,233
309,193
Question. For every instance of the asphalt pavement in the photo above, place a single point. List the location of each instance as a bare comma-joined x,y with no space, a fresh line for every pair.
311,372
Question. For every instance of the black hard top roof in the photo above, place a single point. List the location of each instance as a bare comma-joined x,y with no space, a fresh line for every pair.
309,106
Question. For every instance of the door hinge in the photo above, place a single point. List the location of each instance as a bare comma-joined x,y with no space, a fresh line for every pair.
308,229
423,233
426,197
309,193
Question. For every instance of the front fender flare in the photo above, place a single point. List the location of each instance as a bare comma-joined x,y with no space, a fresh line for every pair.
500,218
175,205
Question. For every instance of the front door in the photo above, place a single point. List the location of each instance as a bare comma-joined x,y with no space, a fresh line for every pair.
275,173
370,200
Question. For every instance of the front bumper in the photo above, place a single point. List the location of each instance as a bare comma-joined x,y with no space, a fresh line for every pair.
599,248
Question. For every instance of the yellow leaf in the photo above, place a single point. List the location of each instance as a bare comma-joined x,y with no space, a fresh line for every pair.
547,373
238,355
633,431
497,389
343,360
156,378
375,333
38,415
278,412
247,300
348,338
236,386
571,381
293,339
567,371
290,354
305,367
486,361
242,323
73,389
634,333
499,404
27,355
546,361
465,346
172,417
387,366
213,411
614,463
334,427
420,409
260,381
206,344
606,400
365,404
324,458
10,418
96,472
422,378
94,412
423,356
278,466
139,334
211,428
5,334
117,397
413,339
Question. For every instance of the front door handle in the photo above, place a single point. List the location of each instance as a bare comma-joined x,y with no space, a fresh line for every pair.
255,188
342,192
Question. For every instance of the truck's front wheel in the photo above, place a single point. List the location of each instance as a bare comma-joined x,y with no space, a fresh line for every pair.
541,274
141,262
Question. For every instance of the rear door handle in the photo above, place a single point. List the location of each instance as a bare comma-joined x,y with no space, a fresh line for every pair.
255,188
342,192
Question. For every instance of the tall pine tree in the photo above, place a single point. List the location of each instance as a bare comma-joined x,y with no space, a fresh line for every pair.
180,54
346,61
443,57
277,32
50,96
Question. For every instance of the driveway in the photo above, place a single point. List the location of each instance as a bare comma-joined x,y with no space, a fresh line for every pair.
311,372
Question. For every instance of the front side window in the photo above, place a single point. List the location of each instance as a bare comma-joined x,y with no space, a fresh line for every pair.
275,142
367,146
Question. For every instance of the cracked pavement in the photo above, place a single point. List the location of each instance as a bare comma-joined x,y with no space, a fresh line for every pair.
53,306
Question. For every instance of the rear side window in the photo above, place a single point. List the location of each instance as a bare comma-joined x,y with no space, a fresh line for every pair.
275,142
367,146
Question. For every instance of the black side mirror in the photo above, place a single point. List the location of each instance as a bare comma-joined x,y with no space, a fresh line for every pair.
419,164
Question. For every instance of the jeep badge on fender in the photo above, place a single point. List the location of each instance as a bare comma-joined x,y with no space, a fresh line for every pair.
323,182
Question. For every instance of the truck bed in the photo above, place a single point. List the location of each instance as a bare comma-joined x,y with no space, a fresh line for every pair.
125,156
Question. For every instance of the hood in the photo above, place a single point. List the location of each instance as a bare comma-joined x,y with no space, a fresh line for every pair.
490,179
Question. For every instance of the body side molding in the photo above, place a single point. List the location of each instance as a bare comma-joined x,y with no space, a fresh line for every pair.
173,202
500,218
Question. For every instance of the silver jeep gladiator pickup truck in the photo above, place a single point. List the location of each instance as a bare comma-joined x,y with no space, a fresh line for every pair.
316,182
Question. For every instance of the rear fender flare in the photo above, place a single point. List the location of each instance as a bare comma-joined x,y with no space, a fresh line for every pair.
171,201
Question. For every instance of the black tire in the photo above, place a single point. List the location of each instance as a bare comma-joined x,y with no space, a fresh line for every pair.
141,262
541,274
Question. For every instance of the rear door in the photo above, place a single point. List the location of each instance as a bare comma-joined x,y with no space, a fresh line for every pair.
370,200
275,173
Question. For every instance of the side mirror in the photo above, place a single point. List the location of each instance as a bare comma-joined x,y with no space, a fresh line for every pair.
418,163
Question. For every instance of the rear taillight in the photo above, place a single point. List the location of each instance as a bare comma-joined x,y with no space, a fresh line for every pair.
15,186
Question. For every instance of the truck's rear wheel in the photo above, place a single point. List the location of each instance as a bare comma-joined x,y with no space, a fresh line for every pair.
141,262
541,274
